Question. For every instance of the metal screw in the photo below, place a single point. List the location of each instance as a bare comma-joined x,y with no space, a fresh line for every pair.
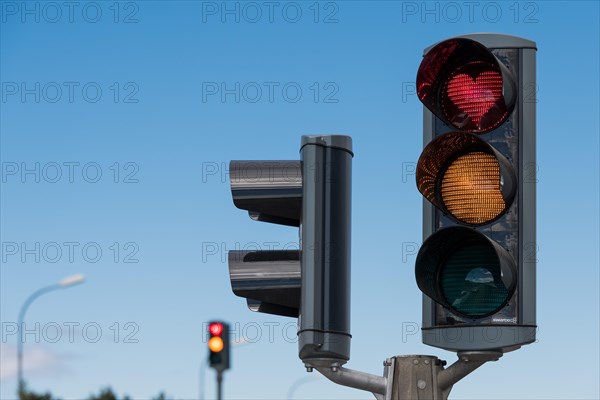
309,369
415,361
421,384
334,369
426,362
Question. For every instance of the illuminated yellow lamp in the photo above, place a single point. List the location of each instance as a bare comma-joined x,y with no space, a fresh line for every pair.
215,344
471,188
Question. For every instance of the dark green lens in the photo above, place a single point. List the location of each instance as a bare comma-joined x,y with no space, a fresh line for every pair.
471,281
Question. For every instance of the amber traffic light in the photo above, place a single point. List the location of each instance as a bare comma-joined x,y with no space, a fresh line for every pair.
466,178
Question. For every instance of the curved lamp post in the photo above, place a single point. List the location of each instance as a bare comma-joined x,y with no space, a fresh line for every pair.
294,386
63,284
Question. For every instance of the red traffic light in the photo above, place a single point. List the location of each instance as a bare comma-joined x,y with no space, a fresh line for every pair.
216,328
464,84
218,345
479,218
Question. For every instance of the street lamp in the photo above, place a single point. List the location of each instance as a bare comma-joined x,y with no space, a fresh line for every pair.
62,284
294,386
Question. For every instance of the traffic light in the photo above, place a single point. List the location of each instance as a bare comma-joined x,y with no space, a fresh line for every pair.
476,266
218,345
311,282
271,191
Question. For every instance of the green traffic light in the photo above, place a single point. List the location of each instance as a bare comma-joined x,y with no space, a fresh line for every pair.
471,281
465,271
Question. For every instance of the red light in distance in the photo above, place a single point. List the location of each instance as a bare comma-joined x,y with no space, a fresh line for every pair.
215,329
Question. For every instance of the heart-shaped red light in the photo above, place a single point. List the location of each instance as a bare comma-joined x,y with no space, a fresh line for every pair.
475,97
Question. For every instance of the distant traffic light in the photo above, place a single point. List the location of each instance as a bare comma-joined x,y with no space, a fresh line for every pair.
218,345
476,266
313,282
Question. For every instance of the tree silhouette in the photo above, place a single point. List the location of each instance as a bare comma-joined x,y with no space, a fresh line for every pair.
105,394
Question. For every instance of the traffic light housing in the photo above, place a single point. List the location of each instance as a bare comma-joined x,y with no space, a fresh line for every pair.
476,267
271,191
311,283
218,345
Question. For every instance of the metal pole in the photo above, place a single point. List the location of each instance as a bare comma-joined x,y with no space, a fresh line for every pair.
424,377
24,307
355,379
201,380
468,361
412,377
219,385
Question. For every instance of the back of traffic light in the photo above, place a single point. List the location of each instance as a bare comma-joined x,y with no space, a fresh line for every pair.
476,266
311,283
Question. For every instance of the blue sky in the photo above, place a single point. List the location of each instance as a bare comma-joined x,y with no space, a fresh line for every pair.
128,113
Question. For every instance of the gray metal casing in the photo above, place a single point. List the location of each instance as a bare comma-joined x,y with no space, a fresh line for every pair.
324,323
498,336
271,191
